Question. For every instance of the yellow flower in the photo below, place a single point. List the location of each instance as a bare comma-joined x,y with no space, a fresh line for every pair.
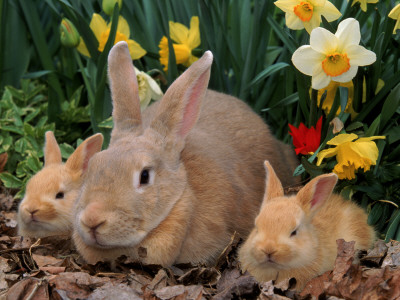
102,31
395,14
331,90
351,155
185,41
148,89
333,56
307,13
363,3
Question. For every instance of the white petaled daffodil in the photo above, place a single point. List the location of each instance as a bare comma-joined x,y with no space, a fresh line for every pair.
148,89
333,56
307,13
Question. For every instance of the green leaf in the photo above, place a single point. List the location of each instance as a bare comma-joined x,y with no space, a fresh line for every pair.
268,72
354,126
375,214
392,101
374,128
393,226
10,181
66,150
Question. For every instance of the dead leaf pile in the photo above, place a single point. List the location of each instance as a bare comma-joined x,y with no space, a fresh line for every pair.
50,268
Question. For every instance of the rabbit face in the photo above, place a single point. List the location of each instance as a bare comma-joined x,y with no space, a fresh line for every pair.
283,236
121,212
46,207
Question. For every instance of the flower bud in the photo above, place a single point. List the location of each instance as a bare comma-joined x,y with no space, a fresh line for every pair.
69,36
108,6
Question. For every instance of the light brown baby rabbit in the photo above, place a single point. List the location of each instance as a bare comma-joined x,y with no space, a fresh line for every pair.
179,179
296,236
47,205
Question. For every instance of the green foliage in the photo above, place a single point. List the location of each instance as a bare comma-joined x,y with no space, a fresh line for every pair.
23,123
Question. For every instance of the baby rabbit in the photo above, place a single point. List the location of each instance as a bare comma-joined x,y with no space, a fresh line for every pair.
179,179
47,206
296,236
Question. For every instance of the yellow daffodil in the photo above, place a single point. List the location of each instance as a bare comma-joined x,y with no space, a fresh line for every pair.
333,56
102,31
331,90
307,13
185,41
363,3
351,154
148,89
395,14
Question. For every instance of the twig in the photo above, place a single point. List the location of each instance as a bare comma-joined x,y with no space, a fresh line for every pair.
30,297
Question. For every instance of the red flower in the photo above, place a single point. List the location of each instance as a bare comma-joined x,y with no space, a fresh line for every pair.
306,140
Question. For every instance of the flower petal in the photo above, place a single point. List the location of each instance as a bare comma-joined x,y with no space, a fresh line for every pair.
323,41
330,12
313,23
342,138
98,25
178,32
286,5
348,33
347,76
326,154
360,56
293,21
193,39
123,26
305,58
395,12
82,48
319,78
135,50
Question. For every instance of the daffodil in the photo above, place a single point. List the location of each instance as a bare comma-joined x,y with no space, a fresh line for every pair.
351,154
333,56
363,3
108,6
395,14
331,90
185,41
307,13
102,31
69,35
148,89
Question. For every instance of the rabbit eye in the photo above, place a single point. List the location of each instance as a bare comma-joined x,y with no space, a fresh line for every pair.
144,177
60,195
294,233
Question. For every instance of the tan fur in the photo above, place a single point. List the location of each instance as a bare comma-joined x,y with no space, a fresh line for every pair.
205,152
271,253
40,213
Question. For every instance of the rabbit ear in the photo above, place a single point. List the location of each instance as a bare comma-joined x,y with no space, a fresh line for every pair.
273,186
179,109
124,88
317,191
52,153
79,160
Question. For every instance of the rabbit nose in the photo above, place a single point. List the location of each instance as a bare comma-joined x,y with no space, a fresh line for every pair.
32,212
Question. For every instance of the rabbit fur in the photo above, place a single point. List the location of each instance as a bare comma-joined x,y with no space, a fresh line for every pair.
46,208
295,236
178,180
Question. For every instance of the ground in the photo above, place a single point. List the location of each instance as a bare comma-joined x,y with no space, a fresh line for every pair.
50,268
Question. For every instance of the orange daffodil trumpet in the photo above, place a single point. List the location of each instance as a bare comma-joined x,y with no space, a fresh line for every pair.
186,39
351,154
395,14
102,31
333,56
307,13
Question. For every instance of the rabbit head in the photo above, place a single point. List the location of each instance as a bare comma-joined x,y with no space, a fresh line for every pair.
284,237
132,186
47,205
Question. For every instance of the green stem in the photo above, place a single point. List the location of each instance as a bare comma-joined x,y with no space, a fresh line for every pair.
313,108
85,78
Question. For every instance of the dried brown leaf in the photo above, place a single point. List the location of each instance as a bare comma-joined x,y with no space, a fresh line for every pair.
393,254
375,255
3,161
194,292
200,275
43,261
29,288
115,291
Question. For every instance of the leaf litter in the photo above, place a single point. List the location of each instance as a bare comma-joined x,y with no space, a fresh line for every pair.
50,268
